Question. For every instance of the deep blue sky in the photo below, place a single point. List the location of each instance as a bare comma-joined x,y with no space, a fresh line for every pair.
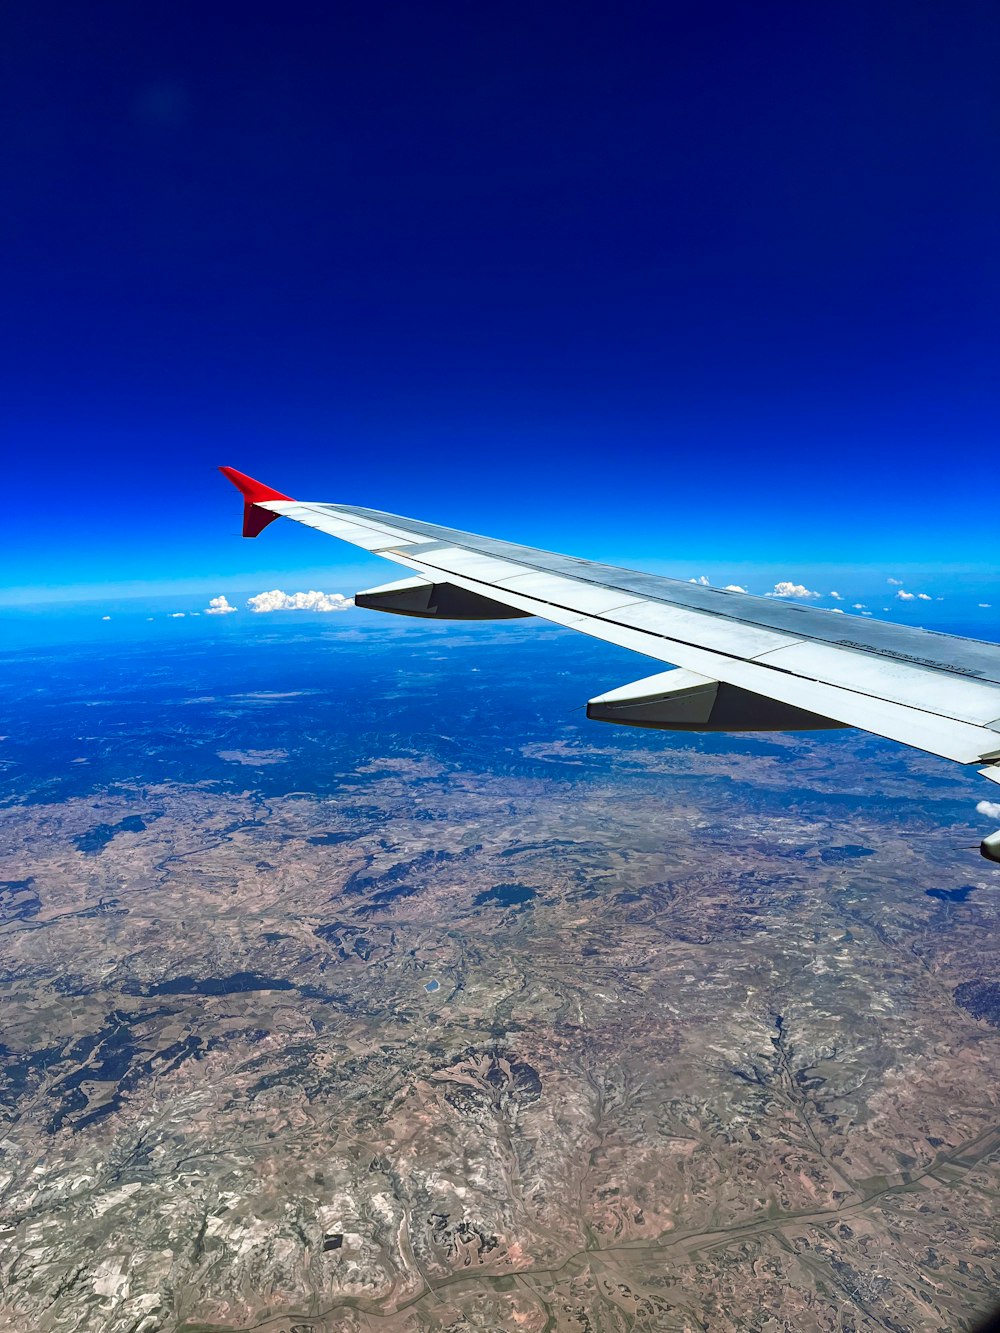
695,286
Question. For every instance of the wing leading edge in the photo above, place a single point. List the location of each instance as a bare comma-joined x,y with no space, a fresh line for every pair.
749,663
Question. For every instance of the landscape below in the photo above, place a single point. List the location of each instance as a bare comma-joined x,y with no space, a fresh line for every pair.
352,980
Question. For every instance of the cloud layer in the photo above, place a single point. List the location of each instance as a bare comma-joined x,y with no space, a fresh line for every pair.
276,600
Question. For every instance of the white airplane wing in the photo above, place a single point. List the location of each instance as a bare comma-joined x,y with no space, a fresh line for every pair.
747,663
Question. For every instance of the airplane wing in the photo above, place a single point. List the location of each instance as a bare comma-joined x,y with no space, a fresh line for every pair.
747,663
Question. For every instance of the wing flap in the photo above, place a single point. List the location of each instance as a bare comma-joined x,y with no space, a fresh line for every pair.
698,627
951,696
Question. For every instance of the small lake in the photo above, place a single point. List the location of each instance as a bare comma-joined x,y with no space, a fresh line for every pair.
507,895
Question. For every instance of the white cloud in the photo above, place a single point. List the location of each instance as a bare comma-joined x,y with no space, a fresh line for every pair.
105,617
868,613
787,589
299,601
914,596
218,606
177,615
985,606
701,579
734,587
991,809
859,606
836,597
896,583
835,611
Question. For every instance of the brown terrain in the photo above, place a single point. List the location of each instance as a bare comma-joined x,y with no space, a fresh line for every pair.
460,1050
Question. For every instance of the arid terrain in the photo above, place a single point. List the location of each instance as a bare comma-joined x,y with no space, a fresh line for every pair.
317,1019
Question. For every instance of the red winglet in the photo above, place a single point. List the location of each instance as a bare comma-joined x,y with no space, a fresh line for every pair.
255,520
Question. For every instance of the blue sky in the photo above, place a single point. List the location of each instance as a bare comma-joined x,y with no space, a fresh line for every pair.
706,289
